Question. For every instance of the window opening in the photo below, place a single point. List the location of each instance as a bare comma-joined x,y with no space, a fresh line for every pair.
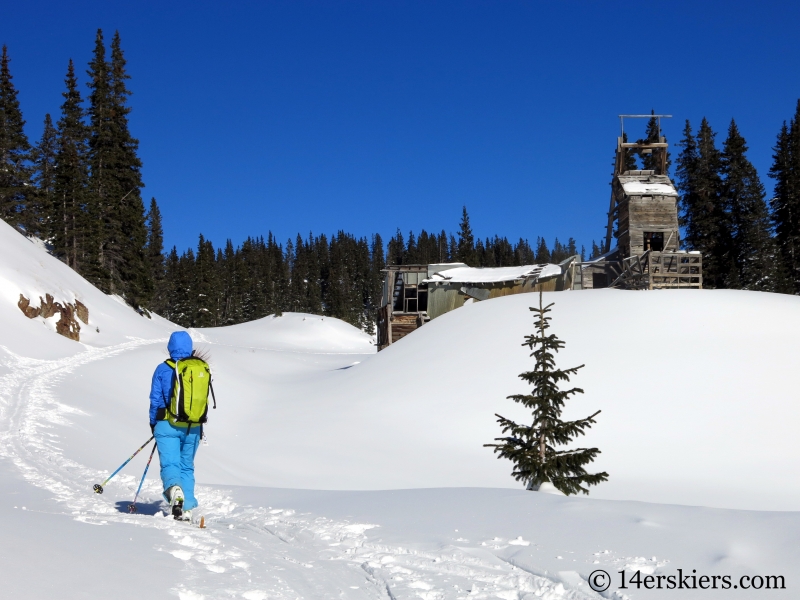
599,280
654,240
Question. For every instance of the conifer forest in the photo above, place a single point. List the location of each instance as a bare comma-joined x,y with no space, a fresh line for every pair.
79,188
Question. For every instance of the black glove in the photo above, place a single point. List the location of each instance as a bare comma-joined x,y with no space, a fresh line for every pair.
153,428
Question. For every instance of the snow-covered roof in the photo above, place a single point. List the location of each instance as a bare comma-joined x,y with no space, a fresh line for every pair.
644,188
494,275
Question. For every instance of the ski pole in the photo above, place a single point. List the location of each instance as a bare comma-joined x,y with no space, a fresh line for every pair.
132,507
98,487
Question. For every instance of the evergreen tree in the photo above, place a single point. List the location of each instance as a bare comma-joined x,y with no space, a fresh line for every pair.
532,448
375,290
204,285
560,252
444,254
411,253
652,161
542,252
180,274
69,219
15,171
466,241
128,211
100,228
155,255
629,161
785,203
395,254
171,293
754,251
44,159
704,210
523,253
118,234
689,202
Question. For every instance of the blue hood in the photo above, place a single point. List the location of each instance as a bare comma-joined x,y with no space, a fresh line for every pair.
180,345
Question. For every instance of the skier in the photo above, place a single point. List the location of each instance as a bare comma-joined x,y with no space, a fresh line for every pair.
177,433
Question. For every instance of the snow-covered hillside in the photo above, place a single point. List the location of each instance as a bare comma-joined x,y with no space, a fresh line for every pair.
698,408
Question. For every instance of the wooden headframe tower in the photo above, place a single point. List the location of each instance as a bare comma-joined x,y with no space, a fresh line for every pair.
644,207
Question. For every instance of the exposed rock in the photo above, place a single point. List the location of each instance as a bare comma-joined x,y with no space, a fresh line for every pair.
82,311
49,306
67,325
28,310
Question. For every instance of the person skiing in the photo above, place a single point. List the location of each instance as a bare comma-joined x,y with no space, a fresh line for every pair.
178,407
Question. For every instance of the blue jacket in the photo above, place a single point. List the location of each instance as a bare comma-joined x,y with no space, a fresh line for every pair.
179,346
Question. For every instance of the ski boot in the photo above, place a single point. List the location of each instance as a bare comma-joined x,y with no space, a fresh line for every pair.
175,498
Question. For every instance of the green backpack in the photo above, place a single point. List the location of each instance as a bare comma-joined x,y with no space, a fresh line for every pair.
191,384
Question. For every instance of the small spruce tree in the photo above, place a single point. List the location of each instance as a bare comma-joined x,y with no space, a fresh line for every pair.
532,448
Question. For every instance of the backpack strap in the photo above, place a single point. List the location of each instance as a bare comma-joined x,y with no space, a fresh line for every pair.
211,389
176,381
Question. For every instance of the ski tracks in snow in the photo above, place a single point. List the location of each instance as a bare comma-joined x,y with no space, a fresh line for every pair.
254,553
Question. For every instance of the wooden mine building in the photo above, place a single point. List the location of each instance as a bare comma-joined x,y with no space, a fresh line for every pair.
415,294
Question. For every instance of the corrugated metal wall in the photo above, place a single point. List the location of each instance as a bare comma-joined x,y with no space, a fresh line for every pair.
445,297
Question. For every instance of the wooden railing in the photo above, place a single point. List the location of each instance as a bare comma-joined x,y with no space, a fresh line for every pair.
674,270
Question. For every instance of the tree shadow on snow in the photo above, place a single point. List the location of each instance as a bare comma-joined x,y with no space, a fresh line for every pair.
142,508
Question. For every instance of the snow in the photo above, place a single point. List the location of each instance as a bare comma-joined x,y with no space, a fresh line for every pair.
335,472
643,188
493,275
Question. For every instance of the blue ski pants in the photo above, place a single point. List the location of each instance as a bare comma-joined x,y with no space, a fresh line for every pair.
176,450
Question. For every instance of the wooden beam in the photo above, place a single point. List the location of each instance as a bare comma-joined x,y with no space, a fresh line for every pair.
645,146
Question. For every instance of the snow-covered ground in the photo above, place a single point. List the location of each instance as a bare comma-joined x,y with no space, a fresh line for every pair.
697,433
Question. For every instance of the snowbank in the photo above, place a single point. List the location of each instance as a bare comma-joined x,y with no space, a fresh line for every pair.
290,332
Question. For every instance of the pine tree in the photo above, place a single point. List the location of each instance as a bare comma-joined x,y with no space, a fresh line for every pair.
444,254
532,448
466,241
182,305
785,203
396,250
44,159
689,201
101,230
117,234
69,219
754,252
523,253
411,254
629,161
652,161
204,285
542,252
128,211
171,292
15,171
704,210
377,264
155,255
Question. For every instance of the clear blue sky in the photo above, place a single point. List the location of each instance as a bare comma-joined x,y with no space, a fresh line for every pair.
368,116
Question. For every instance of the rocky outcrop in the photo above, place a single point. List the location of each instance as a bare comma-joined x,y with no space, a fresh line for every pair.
67,324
